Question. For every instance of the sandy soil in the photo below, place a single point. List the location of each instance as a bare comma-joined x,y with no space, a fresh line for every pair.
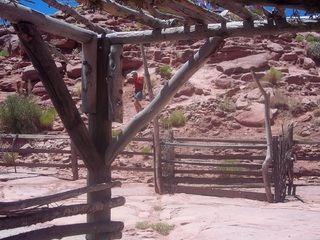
193,217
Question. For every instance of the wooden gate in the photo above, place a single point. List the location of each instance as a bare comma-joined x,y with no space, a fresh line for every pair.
214,167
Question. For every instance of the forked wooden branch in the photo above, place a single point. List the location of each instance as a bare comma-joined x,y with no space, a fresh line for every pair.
268,160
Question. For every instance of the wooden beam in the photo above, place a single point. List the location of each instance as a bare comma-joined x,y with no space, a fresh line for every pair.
58,232
52,80
45,215
232,29
18,13
40,201
159,102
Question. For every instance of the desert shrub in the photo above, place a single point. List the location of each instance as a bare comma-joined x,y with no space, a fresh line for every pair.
283,103
279,101
176,119
47,118
20,114
309,38
299,38
10,157
273,76
116,132
226,104
4,53
313,51
158,208
165,71
161,228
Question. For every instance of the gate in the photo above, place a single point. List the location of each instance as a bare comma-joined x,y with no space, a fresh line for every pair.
214,167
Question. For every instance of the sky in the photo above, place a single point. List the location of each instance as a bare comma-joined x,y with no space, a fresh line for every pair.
45,8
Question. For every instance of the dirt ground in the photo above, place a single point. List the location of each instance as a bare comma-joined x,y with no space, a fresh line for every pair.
193,217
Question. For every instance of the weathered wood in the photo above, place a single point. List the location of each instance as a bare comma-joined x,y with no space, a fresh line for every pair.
115,84
40,201
220,157
63,211
13,12
58,232
243,165
32,136
100,131
35,150
216,146
276,169
268,160
208,191
74,161
225,140
221,182
89,77
219,172
52,80
157,104
232,29
156,135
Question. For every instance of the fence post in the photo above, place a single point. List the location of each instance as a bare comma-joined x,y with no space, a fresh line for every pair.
74,161
168,167
276,169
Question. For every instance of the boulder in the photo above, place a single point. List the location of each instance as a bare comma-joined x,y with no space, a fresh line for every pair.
254,116
258,62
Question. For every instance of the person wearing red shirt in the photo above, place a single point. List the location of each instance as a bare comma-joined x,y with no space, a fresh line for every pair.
138,90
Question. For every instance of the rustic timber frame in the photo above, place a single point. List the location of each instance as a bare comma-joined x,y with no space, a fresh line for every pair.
102,68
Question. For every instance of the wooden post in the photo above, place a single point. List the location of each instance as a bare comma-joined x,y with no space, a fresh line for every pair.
276,169
100,131
74,161
158,183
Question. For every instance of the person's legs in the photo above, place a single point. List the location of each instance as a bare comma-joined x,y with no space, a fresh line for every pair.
137,99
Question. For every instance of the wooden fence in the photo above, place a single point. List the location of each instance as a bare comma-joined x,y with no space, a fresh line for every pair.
229,167
208,166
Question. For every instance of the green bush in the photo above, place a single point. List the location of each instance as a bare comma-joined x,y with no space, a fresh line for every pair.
4,53
299,38
160,227
20,114
176,119
309,38
273,76
226,104
313,51
165,71
47,118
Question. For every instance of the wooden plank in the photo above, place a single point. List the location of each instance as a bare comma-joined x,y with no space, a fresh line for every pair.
40,201
205,180
45,215
89,77
216,146
233,165
226,140
220,192
219,157
111,229
32,136
219,172
35,150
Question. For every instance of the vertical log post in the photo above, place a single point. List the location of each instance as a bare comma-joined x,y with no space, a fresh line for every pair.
100,131
276,169
158,183
74,161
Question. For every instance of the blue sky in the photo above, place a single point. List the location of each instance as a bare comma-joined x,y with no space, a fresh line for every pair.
45,8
